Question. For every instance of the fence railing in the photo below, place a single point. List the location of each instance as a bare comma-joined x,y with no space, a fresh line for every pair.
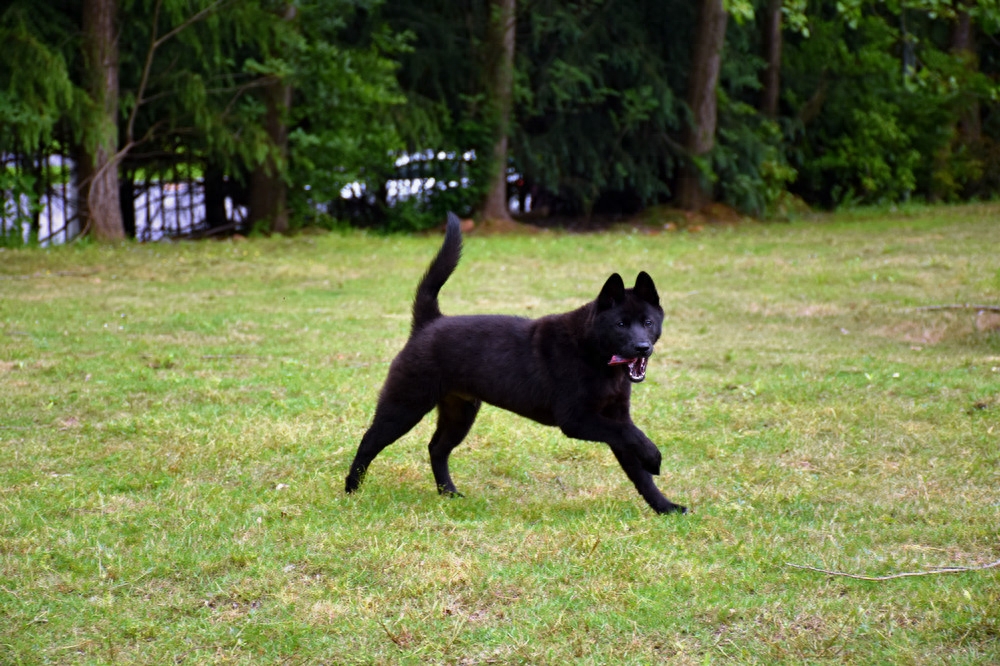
39,201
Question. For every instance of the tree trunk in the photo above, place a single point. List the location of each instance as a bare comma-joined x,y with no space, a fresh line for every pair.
771,77
710,36
39,172
215,198
99,198
268,190
501,90
970,126
966,125
126,201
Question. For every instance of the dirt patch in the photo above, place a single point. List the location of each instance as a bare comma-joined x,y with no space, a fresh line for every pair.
673,219
987,322
494,227
821,310
928,330
809,310
654,219
913,332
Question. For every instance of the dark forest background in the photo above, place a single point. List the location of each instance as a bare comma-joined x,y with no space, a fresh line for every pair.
283,114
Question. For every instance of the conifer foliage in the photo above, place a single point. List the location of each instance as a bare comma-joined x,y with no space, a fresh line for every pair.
387,113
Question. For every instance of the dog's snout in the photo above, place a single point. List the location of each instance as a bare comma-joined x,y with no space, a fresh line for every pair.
643,348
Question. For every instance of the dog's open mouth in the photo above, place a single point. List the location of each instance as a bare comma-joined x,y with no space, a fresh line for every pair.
636,366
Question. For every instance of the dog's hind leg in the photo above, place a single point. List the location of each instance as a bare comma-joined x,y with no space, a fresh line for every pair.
392,420
455,418
643,482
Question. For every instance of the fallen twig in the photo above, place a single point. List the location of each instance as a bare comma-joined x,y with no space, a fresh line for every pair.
962,306
227,356
908,574
392,637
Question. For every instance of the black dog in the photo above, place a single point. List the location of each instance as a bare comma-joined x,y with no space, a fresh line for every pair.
572,370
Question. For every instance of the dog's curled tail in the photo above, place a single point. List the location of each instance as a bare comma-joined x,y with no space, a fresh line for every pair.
425,303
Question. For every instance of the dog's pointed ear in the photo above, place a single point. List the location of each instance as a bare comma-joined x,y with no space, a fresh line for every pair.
645,289
612,293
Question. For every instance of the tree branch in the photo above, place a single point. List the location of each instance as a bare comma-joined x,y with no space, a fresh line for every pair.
192,19
155,43
130,141
908,574
962,306
392,637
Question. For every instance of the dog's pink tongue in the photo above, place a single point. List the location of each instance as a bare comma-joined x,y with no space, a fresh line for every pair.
619,360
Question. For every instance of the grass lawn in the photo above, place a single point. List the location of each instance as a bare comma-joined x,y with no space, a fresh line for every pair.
177,419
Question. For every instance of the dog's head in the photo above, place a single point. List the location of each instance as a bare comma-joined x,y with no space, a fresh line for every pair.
628,322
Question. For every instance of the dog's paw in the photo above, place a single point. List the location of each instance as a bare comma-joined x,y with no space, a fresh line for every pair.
670,507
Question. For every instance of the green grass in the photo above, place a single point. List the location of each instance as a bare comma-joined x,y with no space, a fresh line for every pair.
176,421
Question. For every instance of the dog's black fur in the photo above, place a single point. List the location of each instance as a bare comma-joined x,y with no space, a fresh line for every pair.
573,370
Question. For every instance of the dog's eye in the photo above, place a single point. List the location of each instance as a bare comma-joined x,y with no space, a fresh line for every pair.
648,323
621,324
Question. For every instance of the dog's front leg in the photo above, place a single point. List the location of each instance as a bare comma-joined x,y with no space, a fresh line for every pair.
643,482
644,449
622,434
635,452
635,439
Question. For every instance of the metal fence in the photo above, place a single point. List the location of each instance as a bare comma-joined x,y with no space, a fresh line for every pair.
39,204
168,197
